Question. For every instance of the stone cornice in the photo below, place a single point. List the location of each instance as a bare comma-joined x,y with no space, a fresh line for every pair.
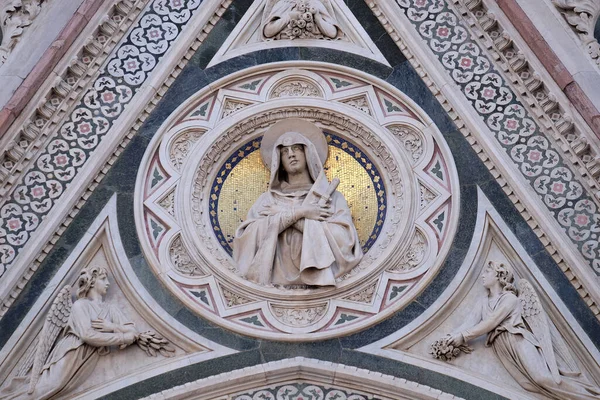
51,106
545,101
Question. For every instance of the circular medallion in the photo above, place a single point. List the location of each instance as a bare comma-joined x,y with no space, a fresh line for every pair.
203,178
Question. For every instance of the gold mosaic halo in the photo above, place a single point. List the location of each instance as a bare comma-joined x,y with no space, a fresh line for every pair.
302,126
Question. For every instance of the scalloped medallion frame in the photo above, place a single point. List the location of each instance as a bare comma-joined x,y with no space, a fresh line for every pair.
178,174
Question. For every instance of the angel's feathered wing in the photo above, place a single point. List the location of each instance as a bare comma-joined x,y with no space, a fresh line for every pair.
57,318
537,320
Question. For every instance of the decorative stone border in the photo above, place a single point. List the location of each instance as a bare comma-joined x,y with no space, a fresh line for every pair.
485,158
578,144
42,122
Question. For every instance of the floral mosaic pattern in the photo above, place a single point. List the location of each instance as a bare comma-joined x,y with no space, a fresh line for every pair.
302,391
135,58
518,135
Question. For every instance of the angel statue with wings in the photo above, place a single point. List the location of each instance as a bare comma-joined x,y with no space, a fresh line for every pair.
74,336
523,339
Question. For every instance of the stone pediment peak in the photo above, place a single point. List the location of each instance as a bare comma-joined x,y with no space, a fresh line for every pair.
248,35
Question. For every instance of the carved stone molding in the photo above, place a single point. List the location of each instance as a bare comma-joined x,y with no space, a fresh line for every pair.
578,143
296,88
15,17
391,144
582,16
67,88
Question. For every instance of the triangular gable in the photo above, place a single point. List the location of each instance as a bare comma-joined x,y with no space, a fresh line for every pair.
247,36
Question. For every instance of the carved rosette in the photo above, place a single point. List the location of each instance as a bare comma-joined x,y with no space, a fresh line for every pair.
202,172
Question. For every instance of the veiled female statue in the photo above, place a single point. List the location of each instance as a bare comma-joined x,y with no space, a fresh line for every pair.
518,330
300,231
74,336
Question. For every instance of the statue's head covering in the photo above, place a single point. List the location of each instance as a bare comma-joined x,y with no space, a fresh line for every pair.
287,133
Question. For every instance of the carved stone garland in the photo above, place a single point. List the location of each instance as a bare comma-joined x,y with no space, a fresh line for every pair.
582,16
178,218
15,17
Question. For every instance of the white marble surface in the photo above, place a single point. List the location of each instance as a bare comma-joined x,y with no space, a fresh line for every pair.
44,30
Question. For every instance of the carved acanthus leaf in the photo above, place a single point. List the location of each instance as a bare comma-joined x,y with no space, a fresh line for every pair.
233,299
365,295
360,103
582,16
426,196
168,203
296,89
233,106
181,147
413,143
15,16
414,256
182,260
299,316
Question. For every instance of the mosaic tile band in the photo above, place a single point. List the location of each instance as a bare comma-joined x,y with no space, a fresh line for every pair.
135,58
519,136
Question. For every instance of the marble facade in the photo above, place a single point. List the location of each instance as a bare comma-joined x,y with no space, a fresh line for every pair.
462,131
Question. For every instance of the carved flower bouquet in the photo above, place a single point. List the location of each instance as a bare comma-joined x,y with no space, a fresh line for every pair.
303,26
152,343
441,349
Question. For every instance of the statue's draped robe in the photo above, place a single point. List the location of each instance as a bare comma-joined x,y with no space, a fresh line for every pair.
270,249
75,355
521,354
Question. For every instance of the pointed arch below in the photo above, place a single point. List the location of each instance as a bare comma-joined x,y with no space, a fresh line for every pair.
300,371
